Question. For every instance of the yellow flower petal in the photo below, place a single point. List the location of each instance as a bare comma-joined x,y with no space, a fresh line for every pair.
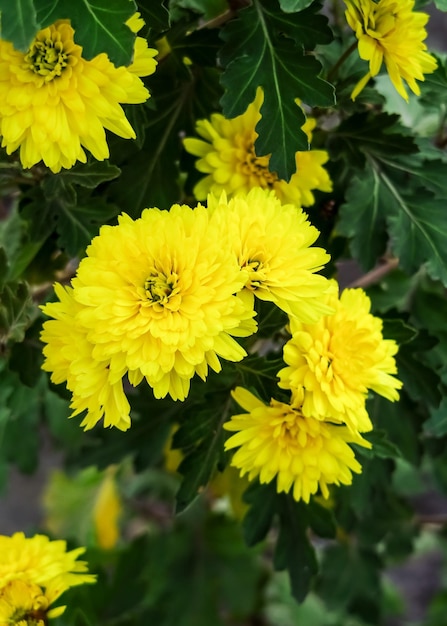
391,32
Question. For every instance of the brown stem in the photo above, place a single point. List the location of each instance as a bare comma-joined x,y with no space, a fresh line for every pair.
376,274
334,70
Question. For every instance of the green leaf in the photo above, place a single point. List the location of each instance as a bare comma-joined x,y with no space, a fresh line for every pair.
259,517
19,442
399,330
4,267
155,14
441,4
257,54
293,550
26,356
90,175
321,519
382,447
18,22
11,240
201,46
151,176
16,312
418,231
436,426
380,206
240,575
307,29
99,25
78,217
420,381
434,86
428,173
363,218
292,6
77,225
391,292
350,579
208,8
389,416
261,374
363,134
199,464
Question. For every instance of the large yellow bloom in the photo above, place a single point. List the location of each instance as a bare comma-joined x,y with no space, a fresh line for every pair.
154,298
272,242
228,158
96,384
390,31
336,360
303,454
54,103
38,560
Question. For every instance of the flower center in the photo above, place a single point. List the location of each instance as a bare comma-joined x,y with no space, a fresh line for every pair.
289,433
47,57
163,291
257,273
30,618
258,166
381,21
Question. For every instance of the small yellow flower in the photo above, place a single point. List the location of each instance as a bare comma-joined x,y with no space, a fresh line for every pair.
390,31
272,243
228,158
38,560
336,360
54,103
302,453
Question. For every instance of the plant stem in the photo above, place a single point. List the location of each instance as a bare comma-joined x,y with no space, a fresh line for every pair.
334,70
376,274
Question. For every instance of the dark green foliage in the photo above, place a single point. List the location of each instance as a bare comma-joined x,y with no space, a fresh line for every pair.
256,53
18,22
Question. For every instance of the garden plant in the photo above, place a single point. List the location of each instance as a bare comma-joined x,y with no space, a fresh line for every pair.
223,271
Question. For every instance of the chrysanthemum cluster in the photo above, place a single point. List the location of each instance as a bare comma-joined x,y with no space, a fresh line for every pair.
229,160
34,573
54,102
331,365
164,297
390,32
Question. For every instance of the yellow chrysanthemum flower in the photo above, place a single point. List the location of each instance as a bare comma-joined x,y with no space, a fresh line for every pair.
38,560
228,158
336,360
54,103
96,384
390,31
154,298
27,604
302,453
272,243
